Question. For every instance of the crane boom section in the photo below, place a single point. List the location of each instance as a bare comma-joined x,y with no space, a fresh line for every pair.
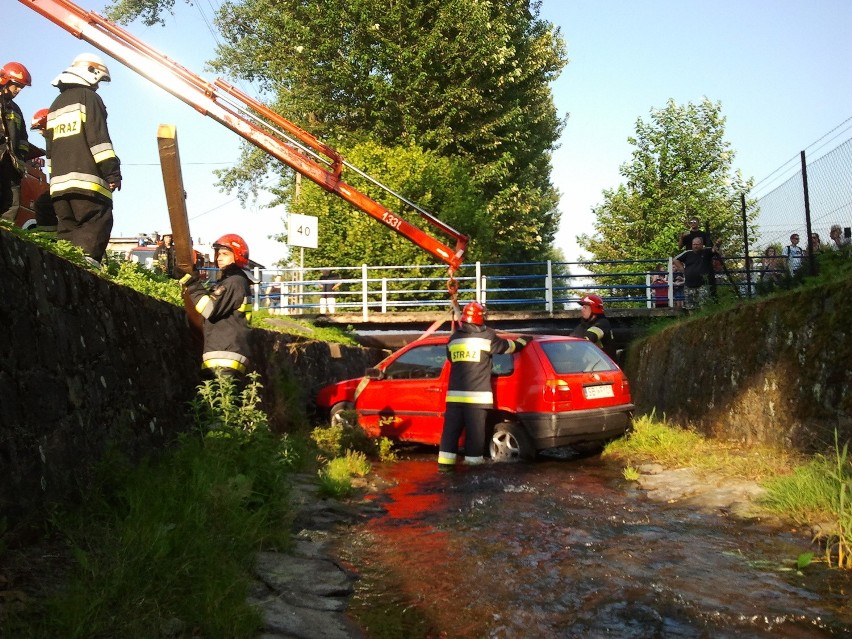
247,117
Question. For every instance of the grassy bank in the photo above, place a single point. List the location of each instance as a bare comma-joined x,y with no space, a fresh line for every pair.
814,491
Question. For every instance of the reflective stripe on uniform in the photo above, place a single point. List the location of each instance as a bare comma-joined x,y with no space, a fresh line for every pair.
246,310
470,397
225,359
598,333
204,306
83,181
446,458
101,152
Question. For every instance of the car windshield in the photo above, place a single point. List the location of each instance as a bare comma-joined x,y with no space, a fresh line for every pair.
421,362
568,357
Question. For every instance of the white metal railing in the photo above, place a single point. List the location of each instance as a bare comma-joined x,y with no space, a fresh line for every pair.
548,286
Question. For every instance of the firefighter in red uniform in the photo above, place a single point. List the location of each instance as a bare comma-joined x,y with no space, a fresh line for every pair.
594,326
14,146
85,169
226,308
469,394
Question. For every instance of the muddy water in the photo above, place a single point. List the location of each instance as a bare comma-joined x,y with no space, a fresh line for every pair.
568,549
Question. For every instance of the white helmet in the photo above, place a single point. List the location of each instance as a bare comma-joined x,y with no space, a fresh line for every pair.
87,68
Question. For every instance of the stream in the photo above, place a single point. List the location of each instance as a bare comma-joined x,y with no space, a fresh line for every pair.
567,548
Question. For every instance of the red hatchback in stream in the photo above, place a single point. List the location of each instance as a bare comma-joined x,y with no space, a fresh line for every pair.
557,391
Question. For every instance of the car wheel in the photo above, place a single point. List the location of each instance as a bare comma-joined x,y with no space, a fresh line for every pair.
510,443
341,414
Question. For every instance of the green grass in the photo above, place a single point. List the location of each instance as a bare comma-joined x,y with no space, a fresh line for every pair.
816,490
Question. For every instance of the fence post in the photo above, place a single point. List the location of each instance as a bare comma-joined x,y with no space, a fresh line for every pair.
671,282
482,287
257,287
364,296
809,245
479,294
384,295
548,285
649,292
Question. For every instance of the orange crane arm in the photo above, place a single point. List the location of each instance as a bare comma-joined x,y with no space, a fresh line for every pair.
248,118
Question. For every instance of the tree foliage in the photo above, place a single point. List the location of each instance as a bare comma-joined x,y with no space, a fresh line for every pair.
681,167
462,79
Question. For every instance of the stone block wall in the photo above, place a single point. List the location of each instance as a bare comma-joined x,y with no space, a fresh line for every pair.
88,365
774,371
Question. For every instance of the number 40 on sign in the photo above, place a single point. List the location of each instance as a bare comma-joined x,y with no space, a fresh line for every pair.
302,230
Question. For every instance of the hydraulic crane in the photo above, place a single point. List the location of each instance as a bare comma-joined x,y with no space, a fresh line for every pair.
253,121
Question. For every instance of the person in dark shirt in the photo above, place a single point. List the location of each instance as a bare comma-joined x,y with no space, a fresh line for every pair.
14,146
685,241
697,272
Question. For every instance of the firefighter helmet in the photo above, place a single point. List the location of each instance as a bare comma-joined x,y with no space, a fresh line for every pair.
237,246
91,68
39,121
473,313
15,72
594,302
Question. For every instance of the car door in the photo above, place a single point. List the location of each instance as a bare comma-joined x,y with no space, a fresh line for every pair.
407,404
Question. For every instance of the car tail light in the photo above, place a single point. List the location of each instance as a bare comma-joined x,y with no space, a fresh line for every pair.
557,391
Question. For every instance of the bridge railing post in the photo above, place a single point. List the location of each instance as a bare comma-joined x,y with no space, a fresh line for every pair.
365,297
548,286
384,295
480,294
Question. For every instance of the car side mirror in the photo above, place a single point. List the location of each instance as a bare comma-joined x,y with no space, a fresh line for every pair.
374,373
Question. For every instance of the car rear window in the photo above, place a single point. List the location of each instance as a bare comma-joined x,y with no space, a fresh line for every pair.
576,357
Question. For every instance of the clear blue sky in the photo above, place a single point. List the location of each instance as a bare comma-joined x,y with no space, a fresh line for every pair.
782,70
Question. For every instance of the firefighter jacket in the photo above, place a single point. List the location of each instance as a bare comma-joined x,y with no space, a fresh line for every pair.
596,329
13,136
470,350
226,310
83,161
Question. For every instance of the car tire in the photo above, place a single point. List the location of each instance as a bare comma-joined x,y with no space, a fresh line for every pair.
511,443
338,414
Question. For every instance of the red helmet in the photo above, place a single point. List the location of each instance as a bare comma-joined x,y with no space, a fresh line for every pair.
39,121
474,313
237,245
15,72
594,302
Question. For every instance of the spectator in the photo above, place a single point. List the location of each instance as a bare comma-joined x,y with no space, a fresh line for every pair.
86,170
225,308
14,146
794,254
165,254
772,269
469,395
698,270
677,283
660,287
328,286
815,245
686,238
838,241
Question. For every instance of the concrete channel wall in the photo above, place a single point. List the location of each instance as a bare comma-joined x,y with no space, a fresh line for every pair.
88,366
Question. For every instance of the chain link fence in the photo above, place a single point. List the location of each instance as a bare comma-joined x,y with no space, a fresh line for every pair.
808,193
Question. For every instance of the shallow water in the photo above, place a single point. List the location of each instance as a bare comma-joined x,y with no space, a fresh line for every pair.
568,549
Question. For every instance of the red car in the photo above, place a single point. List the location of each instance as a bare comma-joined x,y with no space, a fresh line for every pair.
557,391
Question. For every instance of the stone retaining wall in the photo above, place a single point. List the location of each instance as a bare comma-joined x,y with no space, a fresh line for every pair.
774,371
88,365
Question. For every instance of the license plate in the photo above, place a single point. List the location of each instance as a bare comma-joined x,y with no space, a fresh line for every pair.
596,392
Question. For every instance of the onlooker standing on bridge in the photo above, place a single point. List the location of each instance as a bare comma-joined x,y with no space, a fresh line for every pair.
328,286
838,242
697,272
469,395
594,325
685,241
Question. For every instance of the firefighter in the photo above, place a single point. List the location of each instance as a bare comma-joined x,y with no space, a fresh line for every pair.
45,215
469,394
594,326
14,146
85,168
225,308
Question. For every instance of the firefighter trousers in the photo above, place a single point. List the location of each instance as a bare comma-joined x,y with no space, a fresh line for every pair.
85,222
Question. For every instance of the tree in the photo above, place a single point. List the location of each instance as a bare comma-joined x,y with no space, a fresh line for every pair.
465,79
681,167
